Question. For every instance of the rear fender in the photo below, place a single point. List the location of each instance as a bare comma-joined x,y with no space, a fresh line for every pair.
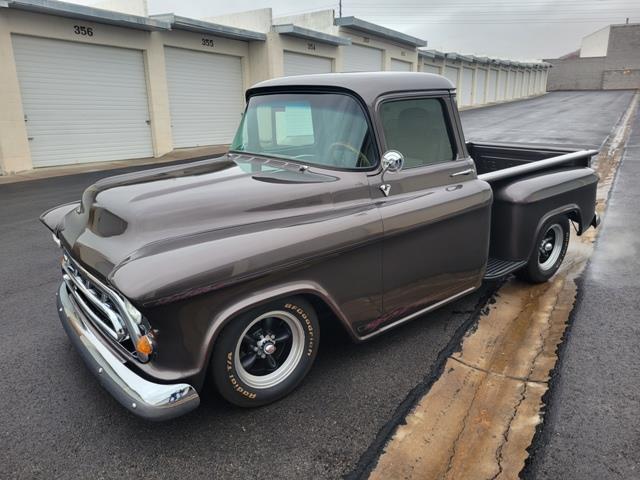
522,206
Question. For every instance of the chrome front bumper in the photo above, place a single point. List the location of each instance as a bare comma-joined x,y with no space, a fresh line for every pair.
152,401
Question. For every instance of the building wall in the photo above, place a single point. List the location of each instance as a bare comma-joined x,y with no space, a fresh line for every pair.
595,44
617,68
622,64
576,74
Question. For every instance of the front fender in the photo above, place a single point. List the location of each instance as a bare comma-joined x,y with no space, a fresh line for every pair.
52,218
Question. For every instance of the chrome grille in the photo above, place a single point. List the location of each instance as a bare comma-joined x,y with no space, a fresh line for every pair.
105,308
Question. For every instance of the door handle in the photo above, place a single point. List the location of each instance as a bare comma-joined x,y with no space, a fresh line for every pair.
468,171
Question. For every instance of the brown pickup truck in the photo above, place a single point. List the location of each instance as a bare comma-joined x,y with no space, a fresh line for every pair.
348,197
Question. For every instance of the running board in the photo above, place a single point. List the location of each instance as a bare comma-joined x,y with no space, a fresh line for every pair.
497,268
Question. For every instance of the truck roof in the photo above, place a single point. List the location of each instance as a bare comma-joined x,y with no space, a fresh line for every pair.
367,85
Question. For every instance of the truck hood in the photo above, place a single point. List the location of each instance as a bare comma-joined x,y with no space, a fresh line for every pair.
126,217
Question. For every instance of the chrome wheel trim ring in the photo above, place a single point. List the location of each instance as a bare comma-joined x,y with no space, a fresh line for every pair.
283,372
558,241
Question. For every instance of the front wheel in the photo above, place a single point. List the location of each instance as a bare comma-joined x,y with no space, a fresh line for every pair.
549,251
264,354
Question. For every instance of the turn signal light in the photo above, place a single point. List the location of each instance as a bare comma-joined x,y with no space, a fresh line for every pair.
144,345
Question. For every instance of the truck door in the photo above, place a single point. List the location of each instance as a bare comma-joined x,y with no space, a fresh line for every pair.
436,216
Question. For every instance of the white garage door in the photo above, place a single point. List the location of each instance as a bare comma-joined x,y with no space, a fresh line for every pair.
205,97
400,66
301,64
467,86
502,85
492,86
356,58
519,84
82,103
511,85
452,74
430,69
481,86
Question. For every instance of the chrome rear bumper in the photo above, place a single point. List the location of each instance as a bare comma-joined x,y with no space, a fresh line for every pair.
152,401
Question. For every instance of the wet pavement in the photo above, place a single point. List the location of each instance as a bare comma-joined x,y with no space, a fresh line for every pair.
479,418
57,421
592,426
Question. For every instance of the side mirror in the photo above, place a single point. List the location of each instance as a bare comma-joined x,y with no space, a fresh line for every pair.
392,161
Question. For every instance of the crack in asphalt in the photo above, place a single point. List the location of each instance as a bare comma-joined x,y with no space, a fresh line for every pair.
502,375
462,429
543,334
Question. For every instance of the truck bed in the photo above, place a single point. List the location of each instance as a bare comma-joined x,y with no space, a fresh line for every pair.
530,182
502,161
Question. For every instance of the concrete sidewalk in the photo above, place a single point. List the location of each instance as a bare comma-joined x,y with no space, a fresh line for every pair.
174,156
592,426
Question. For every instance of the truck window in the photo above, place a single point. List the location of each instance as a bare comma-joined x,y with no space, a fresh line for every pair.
323,129
417,128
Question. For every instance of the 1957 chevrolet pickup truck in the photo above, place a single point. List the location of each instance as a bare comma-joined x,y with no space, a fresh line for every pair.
348,197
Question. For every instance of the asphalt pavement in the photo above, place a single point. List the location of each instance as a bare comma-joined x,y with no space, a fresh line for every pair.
592,427
56,421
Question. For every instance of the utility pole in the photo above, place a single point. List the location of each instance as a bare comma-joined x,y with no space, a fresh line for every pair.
340,9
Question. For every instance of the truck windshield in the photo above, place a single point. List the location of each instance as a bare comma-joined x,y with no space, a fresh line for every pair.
324,129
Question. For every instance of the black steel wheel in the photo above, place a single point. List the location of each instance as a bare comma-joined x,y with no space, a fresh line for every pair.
549,251
263,355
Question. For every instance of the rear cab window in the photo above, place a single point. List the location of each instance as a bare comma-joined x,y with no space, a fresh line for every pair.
420,129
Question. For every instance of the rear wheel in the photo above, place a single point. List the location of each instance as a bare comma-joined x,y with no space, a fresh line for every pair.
549,251
264,354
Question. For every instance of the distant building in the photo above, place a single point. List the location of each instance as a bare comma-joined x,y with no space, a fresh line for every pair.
608,59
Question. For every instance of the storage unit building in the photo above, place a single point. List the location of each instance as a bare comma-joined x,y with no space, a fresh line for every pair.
466,87
301,64
376,48
492,86
400,66
358,58
306,51
80,84
479,97
206,96
81,102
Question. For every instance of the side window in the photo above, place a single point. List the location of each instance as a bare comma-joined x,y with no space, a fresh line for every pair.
417,128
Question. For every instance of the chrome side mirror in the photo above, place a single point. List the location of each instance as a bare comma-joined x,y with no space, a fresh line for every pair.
392,161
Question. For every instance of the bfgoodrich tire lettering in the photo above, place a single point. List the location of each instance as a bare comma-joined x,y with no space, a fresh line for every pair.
262,355
548,252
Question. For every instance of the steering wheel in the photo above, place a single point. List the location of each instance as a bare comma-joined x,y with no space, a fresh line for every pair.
362,158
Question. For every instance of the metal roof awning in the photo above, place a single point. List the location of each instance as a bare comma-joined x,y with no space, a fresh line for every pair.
193,25
308,34
481,59
457,56
431,54
355,23
98,15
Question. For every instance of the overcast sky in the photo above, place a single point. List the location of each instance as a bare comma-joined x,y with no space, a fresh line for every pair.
516,29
